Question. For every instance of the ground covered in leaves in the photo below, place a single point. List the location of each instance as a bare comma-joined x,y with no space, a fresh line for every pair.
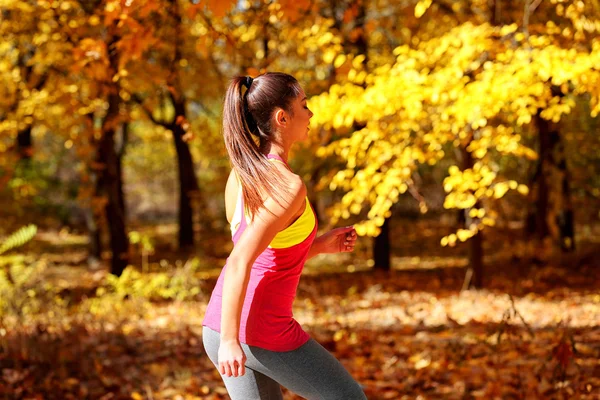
410,334
532,332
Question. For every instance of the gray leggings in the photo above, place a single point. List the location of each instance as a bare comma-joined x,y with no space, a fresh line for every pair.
309,371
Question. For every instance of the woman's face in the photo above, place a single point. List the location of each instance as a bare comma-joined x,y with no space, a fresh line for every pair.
300,122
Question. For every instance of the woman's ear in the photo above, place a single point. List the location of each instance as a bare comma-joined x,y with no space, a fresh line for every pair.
280,117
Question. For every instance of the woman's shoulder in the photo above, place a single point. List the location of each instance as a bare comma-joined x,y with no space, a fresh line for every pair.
294,182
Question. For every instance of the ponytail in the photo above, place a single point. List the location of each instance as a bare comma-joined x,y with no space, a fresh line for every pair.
256,173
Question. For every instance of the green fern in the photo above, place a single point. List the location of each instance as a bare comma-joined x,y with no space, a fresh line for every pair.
19,238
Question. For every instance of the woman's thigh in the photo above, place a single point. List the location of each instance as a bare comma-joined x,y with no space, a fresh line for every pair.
309,371
253,385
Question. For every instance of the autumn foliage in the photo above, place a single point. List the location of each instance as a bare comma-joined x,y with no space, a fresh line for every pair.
459,137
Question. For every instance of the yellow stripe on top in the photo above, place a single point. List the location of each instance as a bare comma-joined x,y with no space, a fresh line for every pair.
290,236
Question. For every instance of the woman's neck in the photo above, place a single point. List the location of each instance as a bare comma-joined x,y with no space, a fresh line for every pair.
277,150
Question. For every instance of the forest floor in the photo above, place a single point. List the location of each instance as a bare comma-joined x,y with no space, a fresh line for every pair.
532,332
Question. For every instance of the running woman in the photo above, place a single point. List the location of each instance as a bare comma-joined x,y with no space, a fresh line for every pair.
249,332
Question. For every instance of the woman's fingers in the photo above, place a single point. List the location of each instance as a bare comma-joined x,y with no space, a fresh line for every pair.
232,368
350,241
227,369
241,369
231,360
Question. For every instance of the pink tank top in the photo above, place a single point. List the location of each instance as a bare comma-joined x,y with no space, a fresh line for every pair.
267,319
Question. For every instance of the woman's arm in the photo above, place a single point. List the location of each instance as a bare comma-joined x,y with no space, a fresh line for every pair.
254,240
315,248
335,241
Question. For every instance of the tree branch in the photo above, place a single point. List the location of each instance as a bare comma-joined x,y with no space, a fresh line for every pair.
136,97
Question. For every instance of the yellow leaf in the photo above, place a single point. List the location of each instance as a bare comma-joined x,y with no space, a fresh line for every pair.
488,221
523,189
361,230
500,190
358,60
328,56
452,239
463,234
339,60
421,7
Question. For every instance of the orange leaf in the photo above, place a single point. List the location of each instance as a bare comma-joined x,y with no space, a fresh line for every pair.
253,72
220,7
112,11
370,27
202,47
147,8
351,13
294,9
193,10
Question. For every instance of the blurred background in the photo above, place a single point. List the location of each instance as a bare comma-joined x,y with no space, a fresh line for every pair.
460,138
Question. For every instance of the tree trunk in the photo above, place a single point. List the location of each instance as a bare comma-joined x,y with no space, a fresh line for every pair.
361,40
496,12
24,148
564,218
95,249
109,184
545,153
25,144
120,152
475,272
381,244
381,247
312,193
476,260
110,188
188,184
92,220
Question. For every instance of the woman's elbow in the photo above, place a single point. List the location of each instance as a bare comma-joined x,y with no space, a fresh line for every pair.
238,264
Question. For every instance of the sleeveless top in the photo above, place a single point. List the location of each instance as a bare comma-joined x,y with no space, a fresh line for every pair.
267,320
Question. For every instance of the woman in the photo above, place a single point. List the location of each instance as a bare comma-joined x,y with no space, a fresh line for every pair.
249,332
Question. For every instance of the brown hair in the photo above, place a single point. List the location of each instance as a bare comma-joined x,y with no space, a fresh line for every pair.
247,118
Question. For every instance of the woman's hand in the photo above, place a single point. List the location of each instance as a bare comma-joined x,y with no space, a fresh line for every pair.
339,240
232,359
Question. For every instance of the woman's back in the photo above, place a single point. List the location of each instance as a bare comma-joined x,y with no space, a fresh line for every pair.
233,193
267,319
